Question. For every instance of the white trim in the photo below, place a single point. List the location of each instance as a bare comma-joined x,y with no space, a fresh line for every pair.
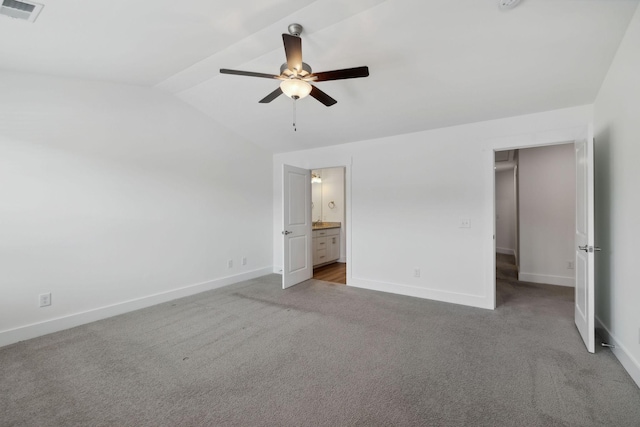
65,322
620,351
506,251
489,227
547,279
479,301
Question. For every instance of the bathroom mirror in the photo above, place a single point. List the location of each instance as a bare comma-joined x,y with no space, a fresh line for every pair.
316,195
327,195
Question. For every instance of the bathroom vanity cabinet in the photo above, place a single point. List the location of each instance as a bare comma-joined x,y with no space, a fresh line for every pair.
326,245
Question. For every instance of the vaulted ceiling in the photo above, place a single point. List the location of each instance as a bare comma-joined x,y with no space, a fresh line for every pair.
432,63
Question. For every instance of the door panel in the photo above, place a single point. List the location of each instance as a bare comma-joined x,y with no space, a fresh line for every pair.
584,241
581,288
297,192
296,213
297,253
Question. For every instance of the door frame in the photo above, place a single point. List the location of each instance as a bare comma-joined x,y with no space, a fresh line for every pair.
347,165
514,142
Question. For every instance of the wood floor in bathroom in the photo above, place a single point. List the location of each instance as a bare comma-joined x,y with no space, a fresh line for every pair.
334,273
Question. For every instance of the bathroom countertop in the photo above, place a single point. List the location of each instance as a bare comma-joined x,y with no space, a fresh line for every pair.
325,225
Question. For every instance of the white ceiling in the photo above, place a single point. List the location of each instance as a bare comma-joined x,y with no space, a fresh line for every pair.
432,63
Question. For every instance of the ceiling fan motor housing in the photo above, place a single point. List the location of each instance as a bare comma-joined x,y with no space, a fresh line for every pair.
305,67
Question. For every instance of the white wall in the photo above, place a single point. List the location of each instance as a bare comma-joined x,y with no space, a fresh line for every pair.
617,146
505,212
547,192
113,197
408,217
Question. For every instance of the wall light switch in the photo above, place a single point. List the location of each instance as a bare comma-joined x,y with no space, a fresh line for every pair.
44,299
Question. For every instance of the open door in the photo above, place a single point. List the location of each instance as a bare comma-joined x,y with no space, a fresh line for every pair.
296,229
585,247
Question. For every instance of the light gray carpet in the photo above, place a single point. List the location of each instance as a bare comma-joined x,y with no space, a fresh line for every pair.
252,354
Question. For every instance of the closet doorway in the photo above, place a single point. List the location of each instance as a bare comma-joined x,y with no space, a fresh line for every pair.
535,208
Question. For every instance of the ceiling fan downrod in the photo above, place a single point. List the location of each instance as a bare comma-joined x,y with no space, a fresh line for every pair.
295,29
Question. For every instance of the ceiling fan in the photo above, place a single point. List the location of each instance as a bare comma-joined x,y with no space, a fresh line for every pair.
296,75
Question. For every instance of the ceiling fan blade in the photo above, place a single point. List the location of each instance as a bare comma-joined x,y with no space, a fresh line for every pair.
248,73
273,95
347,73
322,97
293,50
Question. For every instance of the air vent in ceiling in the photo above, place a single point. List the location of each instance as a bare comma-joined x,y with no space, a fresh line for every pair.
508,4
20,9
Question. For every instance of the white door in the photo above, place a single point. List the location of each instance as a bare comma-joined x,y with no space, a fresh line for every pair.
296,228
585,247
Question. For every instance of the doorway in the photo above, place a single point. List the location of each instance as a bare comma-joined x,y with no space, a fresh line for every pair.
328,206
297,224
535,212
580,138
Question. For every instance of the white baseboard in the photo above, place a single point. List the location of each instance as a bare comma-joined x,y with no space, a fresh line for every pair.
620,351
506,251
420,292
547,279
65,322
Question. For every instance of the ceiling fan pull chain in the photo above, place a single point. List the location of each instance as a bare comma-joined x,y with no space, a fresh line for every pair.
294,116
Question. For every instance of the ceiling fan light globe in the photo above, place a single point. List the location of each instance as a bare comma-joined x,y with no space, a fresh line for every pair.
295,88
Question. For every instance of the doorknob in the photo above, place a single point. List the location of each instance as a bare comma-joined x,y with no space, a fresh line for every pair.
287,232
584,248
588,248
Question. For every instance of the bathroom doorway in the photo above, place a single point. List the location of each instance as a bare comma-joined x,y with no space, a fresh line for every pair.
328,206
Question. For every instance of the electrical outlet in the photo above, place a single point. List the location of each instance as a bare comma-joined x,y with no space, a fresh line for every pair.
570,265
244,260
416,272
465,223
230,263
45,299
